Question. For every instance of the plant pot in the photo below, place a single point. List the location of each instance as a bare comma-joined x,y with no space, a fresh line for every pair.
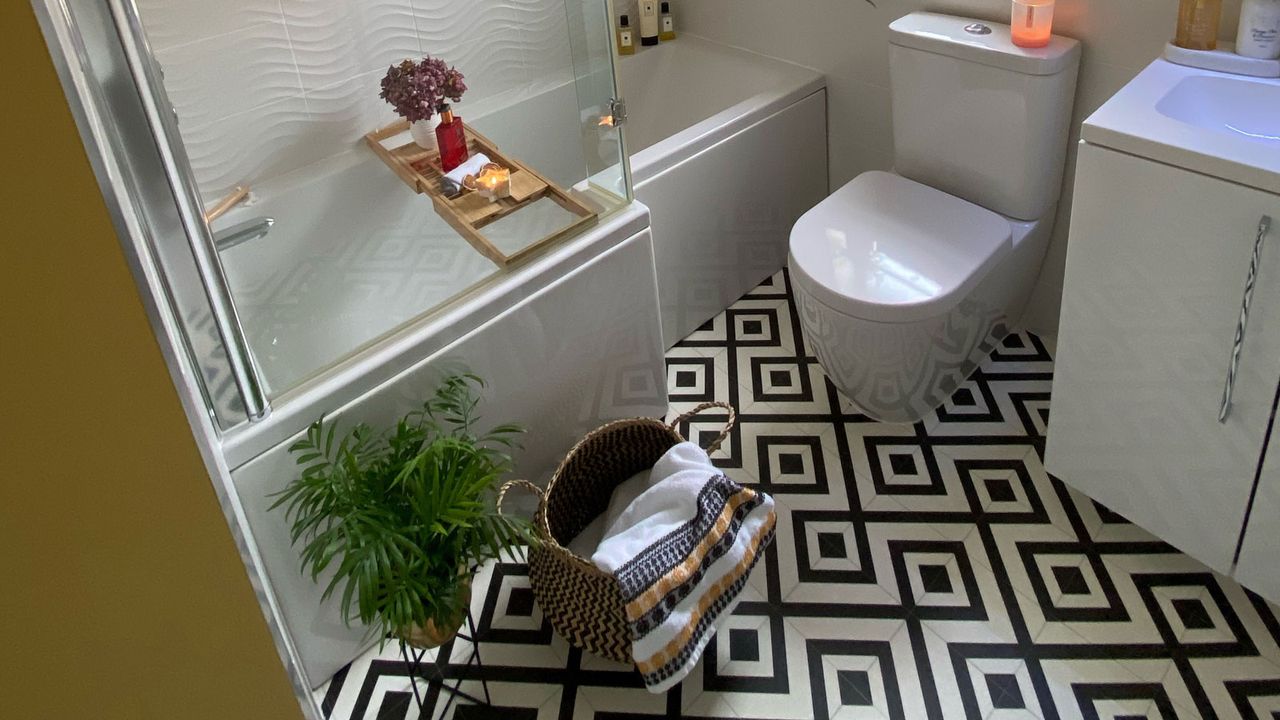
424,132
438,632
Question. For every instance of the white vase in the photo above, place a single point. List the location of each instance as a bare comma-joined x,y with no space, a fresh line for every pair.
424,132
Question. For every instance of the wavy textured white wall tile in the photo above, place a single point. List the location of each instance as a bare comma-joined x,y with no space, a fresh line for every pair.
263,142
265,87
230,73
335,40
550,60
345,111
485,41
177,22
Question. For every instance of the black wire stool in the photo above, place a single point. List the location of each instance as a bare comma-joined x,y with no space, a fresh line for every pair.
413,663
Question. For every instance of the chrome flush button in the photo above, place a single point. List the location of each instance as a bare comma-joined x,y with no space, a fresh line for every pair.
977,29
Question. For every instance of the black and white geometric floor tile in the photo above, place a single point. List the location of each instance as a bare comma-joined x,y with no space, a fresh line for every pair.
929,570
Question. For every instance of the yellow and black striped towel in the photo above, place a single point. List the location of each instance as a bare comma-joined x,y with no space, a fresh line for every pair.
681,553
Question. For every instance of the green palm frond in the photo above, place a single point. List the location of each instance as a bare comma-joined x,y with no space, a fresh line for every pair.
400,517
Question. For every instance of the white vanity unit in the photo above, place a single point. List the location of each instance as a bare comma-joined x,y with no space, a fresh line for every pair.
1176,174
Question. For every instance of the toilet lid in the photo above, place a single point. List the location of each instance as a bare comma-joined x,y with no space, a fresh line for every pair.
889,249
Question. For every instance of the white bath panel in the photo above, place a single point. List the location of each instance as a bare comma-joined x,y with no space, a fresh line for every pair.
721,219
581,352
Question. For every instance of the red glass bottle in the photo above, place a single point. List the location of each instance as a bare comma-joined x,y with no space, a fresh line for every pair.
452,140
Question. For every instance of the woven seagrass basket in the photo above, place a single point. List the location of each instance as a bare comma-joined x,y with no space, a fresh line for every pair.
583,603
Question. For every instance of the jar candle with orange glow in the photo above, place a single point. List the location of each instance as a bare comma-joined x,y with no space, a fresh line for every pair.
1032,22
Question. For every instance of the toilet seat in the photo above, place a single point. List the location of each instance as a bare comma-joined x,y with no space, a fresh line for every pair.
888,249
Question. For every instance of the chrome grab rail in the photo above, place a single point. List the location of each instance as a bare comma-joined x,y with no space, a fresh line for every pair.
163,124
1234,366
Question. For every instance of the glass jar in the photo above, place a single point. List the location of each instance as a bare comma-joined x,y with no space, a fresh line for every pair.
1032,23
1198,24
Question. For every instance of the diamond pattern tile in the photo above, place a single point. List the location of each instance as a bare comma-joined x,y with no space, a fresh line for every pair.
923,571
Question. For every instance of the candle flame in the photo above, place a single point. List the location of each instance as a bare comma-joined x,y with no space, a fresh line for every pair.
494,181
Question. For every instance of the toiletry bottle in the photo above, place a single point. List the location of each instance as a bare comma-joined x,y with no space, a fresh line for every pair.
1259,34
667,24
648,22
1198,24
626,37
452,139
1032,23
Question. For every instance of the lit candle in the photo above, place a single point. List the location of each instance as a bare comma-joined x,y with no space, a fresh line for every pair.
493,182
1032,22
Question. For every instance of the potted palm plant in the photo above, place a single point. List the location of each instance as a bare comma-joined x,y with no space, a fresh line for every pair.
405,516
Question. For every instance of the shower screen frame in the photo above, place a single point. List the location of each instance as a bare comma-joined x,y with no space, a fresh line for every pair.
129,129
150,200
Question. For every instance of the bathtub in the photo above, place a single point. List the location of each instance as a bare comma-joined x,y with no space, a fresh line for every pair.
354,257
728,149
362,326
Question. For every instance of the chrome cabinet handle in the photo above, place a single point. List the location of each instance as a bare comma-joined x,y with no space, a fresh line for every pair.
1263,226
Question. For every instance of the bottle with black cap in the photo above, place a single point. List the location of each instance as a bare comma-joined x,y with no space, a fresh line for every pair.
667,24
626,37
648,22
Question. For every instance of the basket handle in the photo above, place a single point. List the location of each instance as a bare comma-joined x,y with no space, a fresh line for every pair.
523,484
728,424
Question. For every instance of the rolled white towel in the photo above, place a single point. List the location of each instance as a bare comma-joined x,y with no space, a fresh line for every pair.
667,501
470,167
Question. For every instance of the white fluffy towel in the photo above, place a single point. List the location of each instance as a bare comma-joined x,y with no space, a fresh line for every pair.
681,552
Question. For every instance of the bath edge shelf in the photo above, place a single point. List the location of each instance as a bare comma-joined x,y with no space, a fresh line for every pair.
469,212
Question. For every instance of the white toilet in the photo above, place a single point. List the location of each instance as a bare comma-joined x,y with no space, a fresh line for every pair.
906,280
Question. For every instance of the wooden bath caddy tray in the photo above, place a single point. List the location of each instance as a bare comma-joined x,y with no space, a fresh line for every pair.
470,211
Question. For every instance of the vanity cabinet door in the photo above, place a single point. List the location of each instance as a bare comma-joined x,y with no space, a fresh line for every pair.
1156,267
1259,565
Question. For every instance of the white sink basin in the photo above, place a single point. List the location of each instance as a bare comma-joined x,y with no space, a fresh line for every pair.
1227,126
1229,105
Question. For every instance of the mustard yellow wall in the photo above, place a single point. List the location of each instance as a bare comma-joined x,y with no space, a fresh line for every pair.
121,592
